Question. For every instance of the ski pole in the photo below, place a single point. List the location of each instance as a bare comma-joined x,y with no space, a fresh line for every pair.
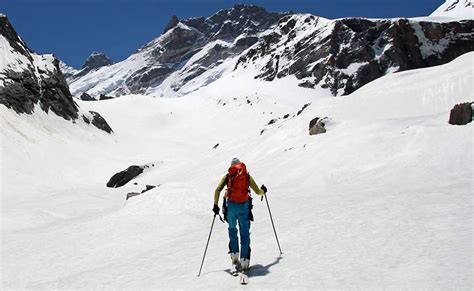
271,218
208,239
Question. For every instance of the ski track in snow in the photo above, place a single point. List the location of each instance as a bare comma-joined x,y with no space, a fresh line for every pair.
382,200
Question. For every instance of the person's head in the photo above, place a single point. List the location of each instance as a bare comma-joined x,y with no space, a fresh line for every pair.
235,161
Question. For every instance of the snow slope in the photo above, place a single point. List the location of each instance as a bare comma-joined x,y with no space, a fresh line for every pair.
458,9
382,200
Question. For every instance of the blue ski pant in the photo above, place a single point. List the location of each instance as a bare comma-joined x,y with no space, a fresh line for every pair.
239,213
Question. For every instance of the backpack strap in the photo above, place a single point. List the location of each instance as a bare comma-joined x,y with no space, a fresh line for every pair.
229,182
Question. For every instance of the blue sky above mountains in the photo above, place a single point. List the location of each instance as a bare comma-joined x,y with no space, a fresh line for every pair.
72,30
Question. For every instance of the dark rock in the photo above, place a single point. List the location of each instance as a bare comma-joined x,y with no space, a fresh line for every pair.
286,116
148,187
215,147
272,121
316,121
99,122
133,194
37,83
303,108
172,23
97,60
104,97
86,97
378,46
461,114
317,126
125,176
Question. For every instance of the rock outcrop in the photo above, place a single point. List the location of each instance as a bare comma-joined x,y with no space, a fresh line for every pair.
29,80
97,60
187,49
317,126
461,114
125,176
345,54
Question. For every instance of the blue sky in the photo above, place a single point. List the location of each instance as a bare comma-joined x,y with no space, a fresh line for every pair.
72,29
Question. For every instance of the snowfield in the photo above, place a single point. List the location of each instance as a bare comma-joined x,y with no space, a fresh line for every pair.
384,199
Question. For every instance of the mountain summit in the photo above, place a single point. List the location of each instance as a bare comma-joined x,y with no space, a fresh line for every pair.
97,60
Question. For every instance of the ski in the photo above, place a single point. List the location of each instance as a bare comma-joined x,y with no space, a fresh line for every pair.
234,270
243,278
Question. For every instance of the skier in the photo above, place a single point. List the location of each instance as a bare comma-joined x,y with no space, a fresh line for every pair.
237,207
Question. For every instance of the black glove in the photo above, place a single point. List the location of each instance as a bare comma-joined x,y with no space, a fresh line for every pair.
216,209
264,189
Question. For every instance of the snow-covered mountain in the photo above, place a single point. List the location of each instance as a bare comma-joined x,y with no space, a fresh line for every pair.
94,62
345,54
339,55
67,70
28,80
186,49
458,9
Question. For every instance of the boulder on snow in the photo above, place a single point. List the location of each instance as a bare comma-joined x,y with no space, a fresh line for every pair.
148,187
125,176
317,126
86,97
461,114
104,97
98,121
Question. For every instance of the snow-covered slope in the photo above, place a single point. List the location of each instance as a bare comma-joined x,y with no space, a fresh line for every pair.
382,200
456,9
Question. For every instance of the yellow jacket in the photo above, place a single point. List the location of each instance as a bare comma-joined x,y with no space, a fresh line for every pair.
222,184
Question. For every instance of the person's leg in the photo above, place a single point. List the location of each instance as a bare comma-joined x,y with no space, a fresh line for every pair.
244,229
232,216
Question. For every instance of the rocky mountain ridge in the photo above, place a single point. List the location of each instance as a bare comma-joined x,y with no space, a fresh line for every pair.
338,55
343,55
28,80
186,49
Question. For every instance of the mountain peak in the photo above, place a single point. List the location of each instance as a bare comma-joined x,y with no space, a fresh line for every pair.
97,60
172,23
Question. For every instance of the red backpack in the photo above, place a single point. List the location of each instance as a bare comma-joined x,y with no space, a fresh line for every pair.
238,183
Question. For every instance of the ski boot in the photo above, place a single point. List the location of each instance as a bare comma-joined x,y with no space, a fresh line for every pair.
235,269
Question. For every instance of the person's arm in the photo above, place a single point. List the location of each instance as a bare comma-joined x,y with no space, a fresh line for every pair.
219,188
254,186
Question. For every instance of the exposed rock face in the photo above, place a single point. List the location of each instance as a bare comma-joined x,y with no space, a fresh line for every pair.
345,54
97,60
86,97
125,176
27,79
461,114
94,62
214,39
98,121
172,23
